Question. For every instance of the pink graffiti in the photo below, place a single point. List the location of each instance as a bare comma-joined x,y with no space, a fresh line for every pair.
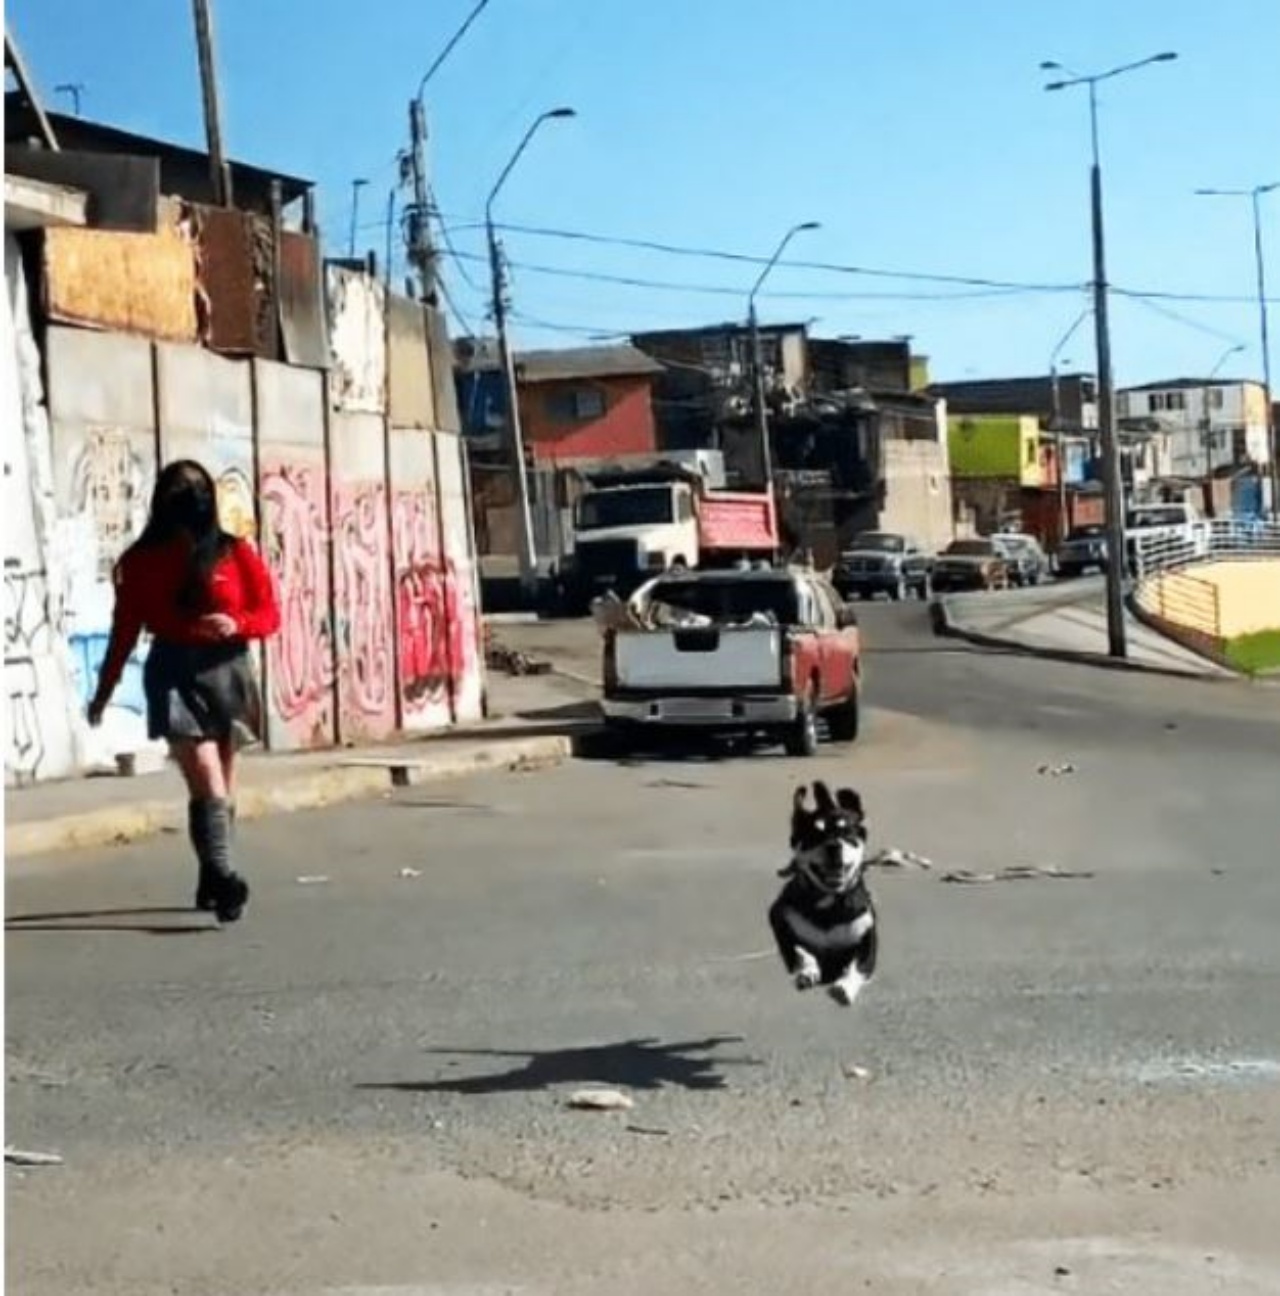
433,639
300,657
365,665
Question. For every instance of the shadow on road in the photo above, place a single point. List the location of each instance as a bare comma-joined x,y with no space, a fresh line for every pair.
111,920
632,1064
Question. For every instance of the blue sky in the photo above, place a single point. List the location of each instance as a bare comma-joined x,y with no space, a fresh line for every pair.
918,135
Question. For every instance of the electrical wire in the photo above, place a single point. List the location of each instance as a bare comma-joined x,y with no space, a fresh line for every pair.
1178,318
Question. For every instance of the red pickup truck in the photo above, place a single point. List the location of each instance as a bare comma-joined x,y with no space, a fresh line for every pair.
761,652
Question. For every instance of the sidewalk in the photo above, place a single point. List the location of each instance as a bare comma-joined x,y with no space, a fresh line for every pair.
534,720
1065,622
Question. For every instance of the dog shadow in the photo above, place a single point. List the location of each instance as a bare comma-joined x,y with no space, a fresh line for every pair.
632,1064
133,921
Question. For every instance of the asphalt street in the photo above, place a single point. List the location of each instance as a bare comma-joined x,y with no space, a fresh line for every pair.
1053,1085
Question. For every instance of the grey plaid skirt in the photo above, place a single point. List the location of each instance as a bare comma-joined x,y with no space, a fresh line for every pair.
202,691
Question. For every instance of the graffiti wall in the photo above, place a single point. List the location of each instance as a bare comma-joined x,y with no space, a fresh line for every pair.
462,576
294,508
426,625
41,708
364,627
102,430
366,529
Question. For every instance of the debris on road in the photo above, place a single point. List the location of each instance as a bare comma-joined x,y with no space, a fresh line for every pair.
410,873
15,1156
645,1129
1015,873
896,858
312,879
1056,771
601,1100
513,662
852,1071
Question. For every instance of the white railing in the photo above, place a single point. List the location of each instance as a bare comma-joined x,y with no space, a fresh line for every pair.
1207,541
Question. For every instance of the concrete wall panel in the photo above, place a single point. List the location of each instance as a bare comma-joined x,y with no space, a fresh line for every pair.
358,341
461,576
364,624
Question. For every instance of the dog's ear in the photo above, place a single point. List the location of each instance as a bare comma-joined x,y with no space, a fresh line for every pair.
822,798
848,800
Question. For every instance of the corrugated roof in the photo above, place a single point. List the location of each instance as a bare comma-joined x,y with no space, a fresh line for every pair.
585,362
1185,384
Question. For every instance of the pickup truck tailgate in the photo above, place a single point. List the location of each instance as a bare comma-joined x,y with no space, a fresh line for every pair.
714,657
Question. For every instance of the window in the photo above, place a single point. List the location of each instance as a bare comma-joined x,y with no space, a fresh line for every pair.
684,506
575,404
1216,395
1122,405
1176,400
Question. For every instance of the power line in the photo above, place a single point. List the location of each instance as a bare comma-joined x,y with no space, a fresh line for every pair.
721,290
1177,318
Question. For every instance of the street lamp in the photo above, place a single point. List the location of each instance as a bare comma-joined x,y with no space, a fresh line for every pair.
421,253
1207,427
757,360
1112,478
74,90
528,546
1273,437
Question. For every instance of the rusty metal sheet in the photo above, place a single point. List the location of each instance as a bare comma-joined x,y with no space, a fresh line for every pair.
410,382
357,340
300,301
224,242
133,283
446,392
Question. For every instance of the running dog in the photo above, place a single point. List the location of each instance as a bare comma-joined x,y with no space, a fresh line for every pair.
823,919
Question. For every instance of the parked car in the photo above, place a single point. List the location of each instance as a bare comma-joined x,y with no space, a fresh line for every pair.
880,562
1028,563
763,653
976,564
1084,548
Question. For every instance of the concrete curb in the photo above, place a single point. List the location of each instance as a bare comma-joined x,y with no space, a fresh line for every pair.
945,627
344,780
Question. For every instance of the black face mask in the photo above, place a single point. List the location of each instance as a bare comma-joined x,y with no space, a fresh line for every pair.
192,507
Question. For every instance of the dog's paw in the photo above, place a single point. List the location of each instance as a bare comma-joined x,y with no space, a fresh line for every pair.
807,974
847,989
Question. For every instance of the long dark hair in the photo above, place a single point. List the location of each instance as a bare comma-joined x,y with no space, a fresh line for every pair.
185,502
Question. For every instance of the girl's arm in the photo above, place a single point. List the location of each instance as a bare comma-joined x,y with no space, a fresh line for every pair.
260,616
126,626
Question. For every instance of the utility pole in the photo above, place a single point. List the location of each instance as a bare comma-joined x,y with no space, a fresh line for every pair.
221,172
1206,426
1112,476
356,186
422,253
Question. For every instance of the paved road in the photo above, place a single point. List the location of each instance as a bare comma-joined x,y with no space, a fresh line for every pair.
1071,1086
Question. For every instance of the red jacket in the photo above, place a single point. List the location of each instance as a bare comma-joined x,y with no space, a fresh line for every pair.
148,582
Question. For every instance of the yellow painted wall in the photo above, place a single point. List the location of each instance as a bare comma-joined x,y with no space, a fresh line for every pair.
1220,599
995,445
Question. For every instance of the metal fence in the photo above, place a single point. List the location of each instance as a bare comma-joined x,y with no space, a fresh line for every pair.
1168,592
1208,541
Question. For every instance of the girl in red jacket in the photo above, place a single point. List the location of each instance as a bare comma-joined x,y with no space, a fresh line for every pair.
203,594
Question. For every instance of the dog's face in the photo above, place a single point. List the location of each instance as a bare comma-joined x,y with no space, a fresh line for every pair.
828,842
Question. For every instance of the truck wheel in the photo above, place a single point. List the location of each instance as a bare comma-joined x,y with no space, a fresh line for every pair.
802,735
844,720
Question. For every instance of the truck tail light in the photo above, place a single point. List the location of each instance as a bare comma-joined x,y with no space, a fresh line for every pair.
610,661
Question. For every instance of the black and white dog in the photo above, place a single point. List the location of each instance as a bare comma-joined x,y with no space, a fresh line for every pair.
823,919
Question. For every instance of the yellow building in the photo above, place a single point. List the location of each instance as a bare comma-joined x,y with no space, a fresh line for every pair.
1005,446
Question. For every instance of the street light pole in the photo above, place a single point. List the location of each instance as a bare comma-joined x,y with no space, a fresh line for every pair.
758,403
1207,427
1113,483
497,272
1055,423
1255,196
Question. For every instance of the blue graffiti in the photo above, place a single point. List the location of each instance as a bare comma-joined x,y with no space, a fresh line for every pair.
87,654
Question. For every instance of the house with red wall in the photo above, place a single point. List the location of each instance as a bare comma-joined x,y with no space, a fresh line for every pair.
587,402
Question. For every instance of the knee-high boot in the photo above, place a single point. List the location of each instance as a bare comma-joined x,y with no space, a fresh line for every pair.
220,888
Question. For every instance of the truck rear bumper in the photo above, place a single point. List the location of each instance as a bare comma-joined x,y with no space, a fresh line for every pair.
700,711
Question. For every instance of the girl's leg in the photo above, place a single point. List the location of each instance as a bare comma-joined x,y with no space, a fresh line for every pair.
209,823
227,760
